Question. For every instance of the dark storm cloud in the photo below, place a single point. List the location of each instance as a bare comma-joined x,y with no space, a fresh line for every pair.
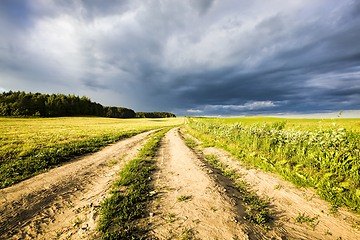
202,5
195,57
16,14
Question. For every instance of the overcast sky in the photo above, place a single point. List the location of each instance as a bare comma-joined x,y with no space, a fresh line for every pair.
189,57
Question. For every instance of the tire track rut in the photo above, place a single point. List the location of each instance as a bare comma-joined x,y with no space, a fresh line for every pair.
210,211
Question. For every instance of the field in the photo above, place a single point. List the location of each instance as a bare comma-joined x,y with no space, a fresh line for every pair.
246,178
348,123
308,153
29,146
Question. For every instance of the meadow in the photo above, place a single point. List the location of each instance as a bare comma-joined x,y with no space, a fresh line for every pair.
29,146
308,153
306,124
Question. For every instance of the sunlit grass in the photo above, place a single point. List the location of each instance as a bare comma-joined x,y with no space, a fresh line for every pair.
326,158
32,145
348,123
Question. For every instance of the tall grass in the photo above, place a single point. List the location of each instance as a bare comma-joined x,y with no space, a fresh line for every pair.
298,123
33,145
325,158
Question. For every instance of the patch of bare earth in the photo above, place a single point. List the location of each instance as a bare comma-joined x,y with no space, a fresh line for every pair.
193,201
287,202
63,203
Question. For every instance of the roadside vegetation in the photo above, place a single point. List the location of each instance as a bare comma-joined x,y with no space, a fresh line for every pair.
130,195
257,210
298,123
325,158
29,146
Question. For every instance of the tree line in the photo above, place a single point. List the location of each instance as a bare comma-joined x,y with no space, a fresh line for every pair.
59,105
154,115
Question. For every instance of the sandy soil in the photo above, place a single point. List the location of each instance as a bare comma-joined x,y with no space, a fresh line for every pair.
63,203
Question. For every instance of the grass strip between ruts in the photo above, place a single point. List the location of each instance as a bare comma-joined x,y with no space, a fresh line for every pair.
257,209
121,209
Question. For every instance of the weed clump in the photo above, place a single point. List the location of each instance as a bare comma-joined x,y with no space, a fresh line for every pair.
183,198
301,218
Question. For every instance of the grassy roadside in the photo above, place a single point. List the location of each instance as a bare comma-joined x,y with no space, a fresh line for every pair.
326,159
31,146
257,209
42,160
300,123
120,211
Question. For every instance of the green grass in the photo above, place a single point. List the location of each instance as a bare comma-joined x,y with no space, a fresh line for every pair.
348,123
190,142
170,217
29,146
326,158
301,218
183,198
77,222
120,211
186,234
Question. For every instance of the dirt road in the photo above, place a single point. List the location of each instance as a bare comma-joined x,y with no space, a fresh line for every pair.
192,199
63,202
210,212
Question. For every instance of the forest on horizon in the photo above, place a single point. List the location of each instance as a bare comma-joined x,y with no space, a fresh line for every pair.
22,104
